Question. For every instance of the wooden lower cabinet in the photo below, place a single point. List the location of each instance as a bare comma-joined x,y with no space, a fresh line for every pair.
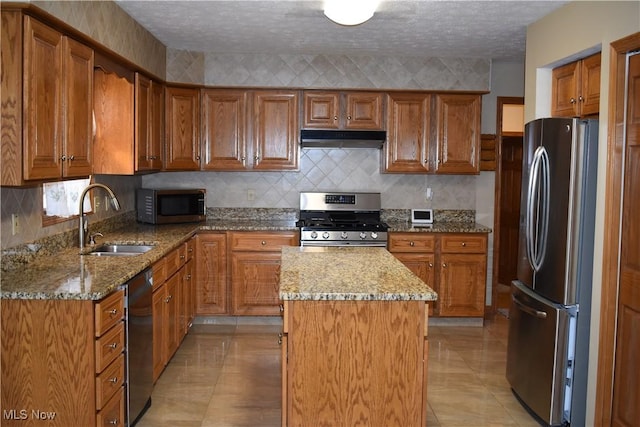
168,306
238,272
348,363
211,274
57,356
255,271
452,264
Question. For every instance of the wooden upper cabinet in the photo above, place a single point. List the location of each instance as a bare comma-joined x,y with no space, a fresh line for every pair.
155,143
78,111
457,133
47,91
149,124
408,123
224,129
575,90
182,115
343,110
275,130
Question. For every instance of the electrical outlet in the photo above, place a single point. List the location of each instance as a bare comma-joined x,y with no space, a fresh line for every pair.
97,204
251,195
428,193
15,224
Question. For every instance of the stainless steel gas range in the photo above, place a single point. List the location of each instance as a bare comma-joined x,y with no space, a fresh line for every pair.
341,219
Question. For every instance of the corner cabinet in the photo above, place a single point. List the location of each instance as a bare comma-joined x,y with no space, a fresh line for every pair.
47,99
255,271
182,128
71,345
575,88
432,133
452,264
343,110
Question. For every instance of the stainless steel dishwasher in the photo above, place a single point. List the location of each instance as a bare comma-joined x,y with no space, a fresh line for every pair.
139,345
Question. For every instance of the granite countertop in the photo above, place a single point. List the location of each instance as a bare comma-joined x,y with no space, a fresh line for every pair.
438,227
66,274
348,273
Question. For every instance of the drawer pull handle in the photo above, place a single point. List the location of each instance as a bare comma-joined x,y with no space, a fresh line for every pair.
113,380
114,422
167,299
112,312
412,243
280,339
430,265
444,264
263,243
181,256
112,346
464,244
281,308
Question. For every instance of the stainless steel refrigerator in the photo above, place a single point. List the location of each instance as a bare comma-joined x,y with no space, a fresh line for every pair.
549,318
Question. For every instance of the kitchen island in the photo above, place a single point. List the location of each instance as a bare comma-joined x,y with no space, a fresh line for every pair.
355,338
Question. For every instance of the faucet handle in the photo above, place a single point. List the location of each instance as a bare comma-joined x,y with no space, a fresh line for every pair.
92,237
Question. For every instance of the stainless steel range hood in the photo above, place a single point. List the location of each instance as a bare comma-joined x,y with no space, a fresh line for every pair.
314,138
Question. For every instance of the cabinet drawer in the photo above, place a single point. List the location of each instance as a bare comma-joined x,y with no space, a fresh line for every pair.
411,242
109,347
112,415
109,311
109,382
262,242
463,243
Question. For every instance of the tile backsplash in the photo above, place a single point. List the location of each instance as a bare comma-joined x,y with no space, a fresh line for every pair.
324,170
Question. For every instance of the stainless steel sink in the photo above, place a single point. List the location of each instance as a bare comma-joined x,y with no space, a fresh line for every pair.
120,250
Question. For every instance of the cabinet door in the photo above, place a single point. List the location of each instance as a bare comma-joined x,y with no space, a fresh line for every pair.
159,320
173,313
321,110
275,130
42,101
422,265
183,128
156,127
142,123
590,85
211,274
458,134
363,110
564,90
462,284
406,150
255,283
224,127
78,109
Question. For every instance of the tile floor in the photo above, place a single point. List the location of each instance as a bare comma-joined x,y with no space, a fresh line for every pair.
229,375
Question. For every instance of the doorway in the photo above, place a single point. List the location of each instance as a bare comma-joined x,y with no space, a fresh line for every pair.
617,398
509,146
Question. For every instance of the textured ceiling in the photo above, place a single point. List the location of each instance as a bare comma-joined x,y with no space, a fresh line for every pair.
426,28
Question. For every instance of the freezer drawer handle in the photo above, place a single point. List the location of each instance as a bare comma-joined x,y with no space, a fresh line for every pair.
537,313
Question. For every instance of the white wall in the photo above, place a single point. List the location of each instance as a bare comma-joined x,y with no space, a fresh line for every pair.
573,31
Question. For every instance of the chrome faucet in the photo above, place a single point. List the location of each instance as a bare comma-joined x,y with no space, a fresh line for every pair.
84,223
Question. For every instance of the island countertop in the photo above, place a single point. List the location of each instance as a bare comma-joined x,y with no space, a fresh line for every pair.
348,273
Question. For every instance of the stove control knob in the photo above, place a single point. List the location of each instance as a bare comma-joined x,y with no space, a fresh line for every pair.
374,235
314,235
325,235
363,235
344,235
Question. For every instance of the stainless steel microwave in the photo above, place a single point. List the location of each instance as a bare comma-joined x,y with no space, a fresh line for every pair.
163,206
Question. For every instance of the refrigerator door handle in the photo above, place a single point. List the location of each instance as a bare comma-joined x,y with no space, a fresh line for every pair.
529,310
538,192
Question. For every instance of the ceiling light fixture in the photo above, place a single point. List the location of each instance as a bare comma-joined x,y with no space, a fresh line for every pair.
350,12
